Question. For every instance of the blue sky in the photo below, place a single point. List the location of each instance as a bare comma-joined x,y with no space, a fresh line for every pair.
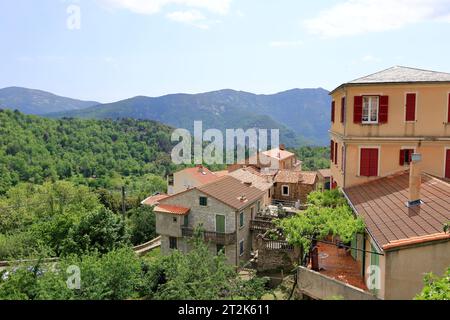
126,48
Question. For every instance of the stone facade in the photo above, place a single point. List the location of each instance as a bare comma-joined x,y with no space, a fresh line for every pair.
297,191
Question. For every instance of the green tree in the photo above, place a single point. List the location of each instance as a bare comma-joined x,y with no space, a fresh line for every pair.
142,225
101,231
436,288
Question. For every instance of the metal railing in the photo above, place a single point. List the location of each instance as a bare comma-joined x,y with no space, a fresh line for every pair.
261,225
214,237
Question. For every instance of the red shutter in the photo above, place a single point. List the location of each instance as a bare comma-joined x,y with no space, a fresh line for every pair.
373,170
411,107
447,165
336,151
342,109
448,112
384,109
365,163
369,163
402,157
358,109
332,150
333,111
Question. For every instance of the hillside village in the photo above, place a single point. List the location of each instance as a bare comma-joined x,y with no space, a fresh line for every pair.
390,161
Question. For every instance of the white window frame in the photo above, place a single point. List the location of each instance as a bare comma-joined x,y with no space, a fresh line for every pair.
282,191
370,109
242,242
406,101
359,159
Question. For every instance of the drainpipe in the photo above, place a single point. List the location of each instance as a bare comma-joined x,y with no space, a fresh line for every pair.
237,241
364,257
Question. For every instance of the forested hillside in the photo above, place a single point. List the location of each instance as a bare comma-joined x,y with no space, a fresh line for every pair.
92,152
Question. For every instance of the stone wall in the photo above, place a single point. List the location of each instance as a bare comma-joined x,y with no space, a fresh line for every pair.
275,255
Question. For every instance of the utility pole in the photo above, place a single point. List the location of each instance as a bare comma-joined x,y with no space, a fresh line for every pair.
123,202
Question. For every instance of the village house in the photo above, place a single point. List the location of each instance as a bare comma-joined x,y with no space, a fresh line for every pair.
223,208
293,187
324,179
190,178
390,153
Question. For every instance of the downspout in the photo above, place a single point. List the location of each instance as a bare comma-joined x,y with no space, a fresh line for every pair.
364,257
345,134
237,241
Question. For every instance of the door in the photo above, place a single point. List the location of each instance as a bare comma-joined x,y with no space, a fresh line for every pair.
220,224
447,164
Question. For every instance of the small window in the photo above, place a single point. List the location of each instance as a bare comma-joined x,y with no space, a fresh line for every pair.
270,193
220,249
241,248
259,206
241,220
186,221
285,191
173,243
370,109
203,201
175,220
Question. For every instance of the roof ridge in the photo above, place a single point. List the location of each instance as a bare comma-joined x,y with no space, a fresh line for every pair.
372,74
418,69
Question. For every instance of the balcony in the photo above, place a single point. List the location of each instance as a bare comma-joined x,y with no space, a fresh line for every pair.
224,239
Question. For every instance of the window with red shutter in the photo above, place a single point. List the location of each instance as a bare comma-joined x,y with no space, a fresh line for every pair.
369,163
332,150
411,107
358,109
402,157
447,165
336,148
384,109
406,156
333,111
343,110
448,109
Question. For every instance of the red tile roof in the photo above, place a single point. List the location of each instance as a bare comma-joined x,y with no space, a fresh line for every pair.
278,154
202,175
292,176
154,200
326,173
382,205
229,191
169,209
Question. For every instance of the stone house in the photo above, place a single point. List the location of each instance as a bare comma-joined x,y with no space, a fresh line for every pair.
224,209
293,186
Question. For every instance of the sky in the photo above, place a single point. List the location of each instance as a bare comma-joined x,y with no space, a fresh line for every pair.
107,50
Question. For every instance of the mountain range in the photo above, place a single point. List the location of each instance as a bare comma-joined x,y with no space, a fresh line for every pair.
302,115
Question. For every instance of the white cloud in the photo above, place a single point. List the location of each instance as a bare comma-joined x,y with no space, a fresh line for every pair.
279,44
354,17
155,6
370,58
192,17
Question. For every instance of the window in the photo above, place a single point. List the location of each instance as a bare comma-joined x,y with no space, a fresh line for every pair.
343,109
285,191
175,220
369,162
173,243
203,201
370,109
220,224
241,219
259,205
333,111
447,164
406,156
411,101
186,221
336,148
241,248
220,249
270,193
332,150
342,158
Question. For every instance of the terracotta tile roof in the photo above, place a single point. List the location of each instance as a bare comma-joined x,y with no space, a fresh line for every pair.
154,200
169,209
326,173
403,74
201,175
292,176
229,191
221,174
382,205
249,175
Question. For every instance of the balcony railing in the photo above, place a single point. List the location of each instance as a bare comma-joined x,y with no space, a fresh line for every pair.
261,225
224,239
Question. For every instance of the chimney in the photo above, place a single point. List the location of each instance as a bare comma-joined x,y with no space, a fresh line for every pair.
415,180
282,147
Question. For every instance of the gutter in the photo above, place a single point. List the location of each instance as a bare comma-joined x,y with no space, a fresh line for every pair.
414,139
